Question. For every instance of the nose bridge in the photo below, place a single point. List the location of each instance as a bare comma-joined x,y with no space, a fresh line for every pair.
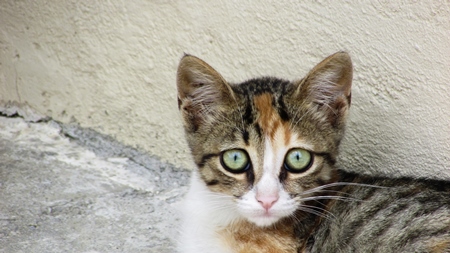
267,185
267,181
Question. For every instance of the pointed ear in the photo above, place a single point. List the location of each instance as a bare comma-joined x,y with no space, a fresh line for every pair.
328,87
202,91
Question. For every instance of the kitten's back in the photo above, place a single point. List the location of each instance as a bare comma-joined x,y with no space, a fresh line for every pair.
392,215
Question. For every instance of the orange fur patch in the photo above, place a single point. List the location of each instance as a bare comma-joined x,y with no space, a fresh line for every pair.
269,120
245,237
440,246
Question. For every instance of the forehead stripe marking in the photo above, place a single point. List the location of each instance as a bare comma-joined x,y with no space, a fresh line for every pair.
269,120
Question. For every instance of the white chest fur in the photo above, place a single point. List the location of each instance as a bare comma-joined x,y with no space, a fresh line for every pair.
204,214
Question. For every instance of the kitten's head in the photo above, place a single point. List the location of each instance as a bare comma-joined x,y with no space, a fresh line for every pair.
267,141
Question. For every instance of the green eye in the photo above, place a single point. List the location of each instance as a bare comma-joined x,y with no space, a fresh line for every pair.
298,160
235,160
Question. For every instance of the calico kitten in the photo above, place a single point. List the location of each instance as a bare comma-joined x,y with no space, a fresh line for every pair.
266,179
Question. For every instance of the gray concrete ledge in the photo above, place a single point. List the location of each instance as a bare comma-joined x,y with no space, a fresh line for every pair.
67,189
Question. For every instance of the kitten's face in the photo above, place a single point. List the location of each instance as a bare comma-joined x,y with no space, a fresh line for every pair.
267,141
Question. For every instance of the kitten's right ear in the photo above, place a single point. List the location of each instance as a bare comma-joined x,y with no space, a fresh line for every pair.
202,91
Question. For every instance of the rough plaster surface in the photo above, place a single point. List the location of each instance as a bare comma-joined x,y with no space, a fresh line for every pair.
58,195
110,66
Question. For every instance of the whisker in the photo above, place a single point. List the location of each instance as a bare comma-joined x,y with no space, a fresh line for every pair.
331,197
319,202
327,191
312,211
316,189
321,209
294,217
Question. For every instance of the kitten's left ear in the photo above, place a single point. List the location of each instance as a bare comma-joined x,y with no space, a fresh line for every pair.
328,87
202,92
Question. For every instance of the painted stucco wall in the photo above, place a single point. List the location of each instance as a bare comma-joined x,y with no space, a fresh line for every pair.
110,66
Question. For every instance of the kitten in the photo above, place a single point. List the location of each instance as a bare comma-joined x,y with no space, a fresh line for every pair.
266,179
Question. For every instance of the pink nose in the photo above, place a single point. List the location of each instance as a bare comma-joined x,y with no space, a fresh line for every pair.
267,201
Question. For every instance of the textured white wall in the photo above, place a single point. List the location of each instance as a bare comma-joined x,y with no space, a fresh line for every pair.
111,66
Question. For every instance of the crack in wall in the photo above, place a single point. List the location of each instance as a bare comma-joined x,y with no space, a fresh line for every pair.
16,78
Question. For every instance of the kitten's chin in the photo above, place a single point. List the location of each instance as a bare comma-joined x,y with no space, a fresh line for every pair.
265,220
